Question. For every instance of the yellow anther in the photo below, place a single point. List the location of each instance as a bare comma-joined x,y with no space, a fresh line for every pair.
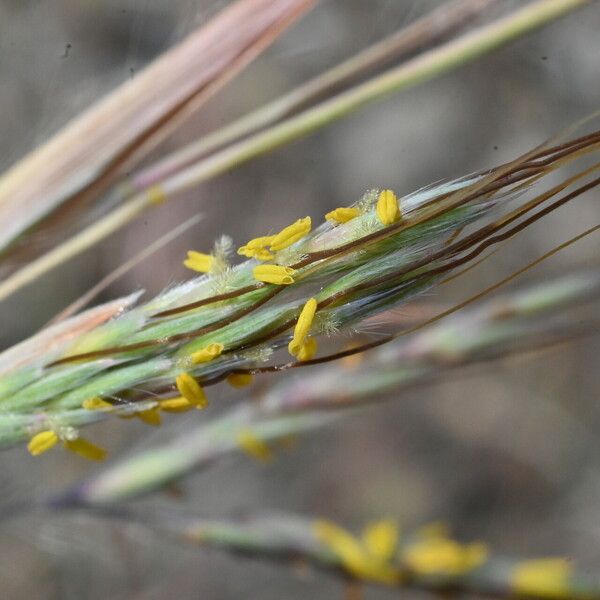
343,214
42,442
303,325
96,403
207,353
381,539
190,389
439,555
156,194
198,261
260,242
308,350
388,209
254,446
542,578
85,449
175,405
240,380
353,555
291,234
258,254
274,274
257,248
150,416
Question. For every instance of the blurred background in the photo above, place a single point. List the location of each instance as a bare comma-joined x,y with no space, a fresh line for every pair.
506,453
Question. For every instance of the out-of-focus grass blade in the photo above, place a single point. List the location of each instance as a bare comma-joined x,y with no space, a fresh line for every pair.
116,133
423,33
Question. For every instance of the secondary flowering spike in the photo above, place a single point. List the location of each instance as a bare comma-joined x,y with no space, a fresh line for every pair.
85,449
308,350
253,446
275,274
42,442
342,214
207,353
303,325
199,261
190,389
240,380
388,209
291,234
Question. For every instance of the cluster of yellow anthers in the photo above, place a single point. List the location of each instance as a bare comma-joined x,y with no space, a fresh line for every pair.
302,346
376,556
44,440
264,248
192,395
370,557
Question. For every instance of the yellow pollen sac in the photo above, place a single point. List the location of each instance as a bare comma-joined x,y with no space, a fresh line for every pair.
42,442
198,261
190,389
254,446
150,416
260,242
443,556
308,350
240,380
274,274
381,539
85,449
387,208
175,405
96,403
262,254
207,353
343,214
257,248
543,578
258,253
303,325
353,555
291,234
156,194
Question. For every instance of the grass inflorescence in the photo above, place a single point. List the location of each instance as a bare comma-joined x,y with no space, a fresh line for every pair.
297,285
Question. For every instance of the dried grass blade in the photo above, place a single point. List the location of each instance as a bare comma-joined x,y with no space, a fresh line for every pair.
117,132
